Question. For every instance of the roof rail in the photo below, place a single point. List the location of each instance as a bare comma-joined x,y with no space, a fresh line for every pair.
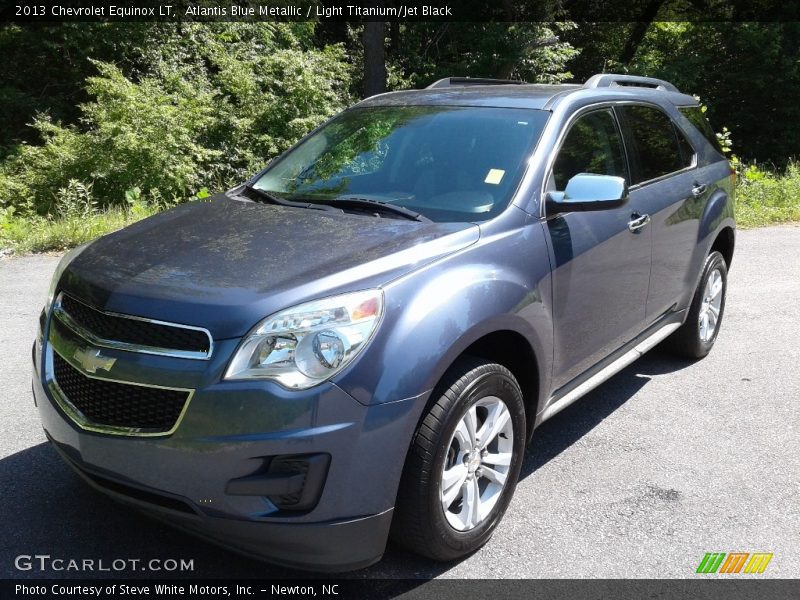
468,81
614,80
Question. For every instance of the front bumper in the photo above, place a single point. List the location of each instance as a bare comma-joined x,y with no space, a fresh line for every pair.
341,545
229,431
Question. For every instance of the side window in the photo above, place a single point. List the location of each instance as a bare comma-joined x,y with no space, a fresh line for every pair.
658,148
687,152
593,145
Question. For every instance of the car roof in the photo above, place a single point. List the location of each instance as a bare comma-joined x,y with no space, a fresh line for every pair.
535,96
503,96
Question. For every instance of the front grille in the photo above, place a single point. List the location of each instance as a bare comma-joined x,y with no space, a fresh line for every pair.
119,405
133,331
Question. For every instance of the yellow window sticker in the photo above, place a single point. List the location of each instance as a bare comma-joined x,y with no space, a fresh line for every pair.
494,176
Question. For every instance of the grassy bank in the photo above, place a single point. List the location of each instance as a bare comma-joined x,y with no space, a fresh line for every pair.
24,235
763,197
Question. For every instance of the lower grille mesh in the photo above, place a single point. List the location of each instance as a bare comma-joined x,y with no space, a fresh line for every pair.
111,404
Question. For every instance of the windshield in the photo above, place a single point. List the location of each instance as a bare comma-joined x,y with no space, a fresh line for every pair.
446,163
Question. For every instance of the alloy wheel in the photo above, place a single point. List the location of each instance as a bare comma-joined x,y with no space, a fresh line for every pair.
711,305
477,463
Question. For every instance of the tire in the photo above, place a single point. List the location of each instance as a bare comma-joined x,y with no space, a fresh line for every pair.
421,522
692,339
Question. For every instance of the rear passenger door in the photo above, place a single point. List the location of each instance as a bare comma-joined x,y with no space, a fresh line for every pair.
600,266
667,186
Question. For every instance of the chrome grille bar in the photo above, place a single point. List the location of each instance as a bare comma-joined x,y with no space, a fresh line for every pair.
94,338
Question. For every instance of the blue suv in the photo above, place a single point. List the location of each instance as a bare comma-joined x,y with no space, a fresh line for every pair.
360,341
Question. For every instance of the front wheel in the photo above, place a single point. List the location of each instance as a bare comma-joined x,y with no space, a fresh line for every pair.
696,337
463,464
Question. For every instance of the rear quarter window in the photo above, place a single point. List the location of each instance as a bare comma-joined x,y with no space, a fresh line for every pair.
698,119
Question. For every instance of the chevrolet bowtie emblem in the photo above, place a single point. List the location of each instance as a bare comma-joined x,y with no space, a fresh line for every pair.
91,360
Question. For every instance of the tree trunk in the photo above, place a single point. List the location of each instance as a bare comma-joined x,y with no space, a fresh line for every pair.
373,39
639,30
394,37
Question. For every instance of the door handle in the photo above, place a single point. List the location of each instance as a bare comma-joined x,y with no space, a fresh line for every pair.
699,189
638,222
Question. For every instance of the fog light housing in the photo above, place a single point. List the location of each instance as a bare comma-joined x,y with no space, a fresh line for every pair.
291,481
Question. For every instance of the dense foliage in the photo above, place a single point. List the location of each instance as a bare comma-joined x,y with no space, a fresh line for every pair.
207,105
124,119
534,52
748,74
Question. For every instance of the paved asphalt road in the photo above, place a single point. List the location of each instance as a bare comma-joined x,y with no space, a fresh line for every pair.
663,463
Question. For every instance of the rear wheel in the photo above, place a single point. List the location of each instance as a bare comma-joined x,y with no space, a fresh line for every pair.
463,464
696,337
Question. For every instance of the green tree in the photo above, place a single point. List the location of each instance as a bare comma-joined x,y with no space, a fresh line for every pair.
534,52
211,104
45,65
747,73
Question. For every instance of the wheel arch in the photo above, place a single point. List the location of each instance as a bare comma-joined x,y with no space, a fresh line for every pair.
724,244
717,231
513,351
510,348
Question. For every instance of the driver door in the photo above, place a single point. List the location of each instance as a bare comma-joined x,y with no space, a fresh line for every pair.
600,267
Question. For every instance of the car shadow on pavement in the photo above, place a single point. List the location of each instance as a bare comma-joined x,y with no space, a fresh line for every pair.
571,424
48,510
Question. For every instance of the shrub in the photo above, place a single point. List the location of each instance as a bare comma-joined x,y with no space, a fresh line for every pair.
215,104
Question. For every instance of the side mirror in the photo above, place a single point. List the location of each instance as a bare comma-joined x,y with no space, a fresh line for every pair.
587,192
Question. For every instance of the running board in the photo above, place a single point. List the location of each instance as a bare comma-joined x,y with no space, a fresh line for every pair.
609,371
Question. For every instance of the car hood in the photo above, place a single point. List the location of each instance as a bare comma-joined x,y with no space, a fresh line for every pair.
225,264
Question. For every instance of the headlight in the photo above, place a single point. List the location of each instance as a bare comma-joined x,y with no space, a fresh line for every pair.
62,265
304,345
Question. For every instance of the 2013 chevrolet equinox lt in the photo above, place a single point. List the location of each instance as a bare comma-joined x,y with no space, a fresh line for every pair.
360,341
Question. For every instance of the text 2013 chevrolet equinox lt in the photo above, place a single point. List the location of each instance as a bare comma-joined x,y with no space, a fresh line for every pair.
359,342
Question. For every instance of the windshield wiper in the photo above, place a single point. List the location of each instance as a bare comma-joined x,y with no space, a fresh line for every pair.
259,195
375,206
378,206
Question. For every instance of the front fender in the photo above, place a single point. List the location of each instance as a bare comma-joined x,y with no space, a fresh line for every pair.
432,316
